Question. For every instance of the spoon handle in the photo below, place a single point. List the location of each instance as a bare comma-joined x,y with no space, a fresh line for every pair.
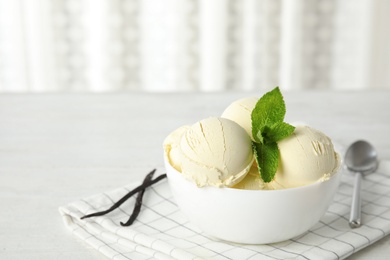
354,220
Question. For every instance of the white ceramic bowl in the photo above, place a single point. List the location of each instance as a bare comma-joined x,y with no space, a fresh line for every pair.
252,216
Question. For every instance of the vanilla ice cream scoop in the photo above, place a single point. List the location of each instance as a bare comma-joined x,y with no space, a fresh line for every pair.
240,112
172,149
306,156
212,152
252,181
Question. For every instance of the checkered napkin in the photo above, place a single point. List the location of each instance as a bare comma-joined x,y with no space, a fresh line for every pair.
162,232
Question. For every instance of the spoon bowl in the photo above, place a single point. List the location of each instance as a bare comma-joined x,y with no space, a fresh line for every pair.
360,158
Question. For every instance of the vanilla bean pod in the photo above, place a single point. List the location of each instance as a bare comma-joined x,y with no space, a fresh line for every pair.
138,201
127,196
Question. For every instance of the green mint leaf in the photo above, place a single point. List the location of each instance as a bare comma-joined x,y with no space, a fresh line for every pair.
267,129
270,109
278,132
267,158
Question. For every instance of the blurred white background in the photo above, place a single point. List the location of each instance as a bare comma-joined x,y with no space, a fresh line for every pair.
187,45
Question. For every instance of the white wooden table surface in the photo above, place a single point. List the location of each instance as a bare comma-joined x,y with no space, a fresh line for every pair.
55,149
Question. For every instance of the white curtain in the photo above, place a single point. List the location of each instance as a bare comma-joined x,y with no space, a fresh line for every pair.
186,45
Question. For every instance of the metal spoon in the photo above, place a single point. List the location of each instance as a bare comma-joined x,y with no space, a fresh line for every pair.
360,158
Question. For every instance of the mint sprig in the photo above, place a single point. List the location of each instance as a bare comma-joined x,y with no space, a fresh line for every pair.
267,129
